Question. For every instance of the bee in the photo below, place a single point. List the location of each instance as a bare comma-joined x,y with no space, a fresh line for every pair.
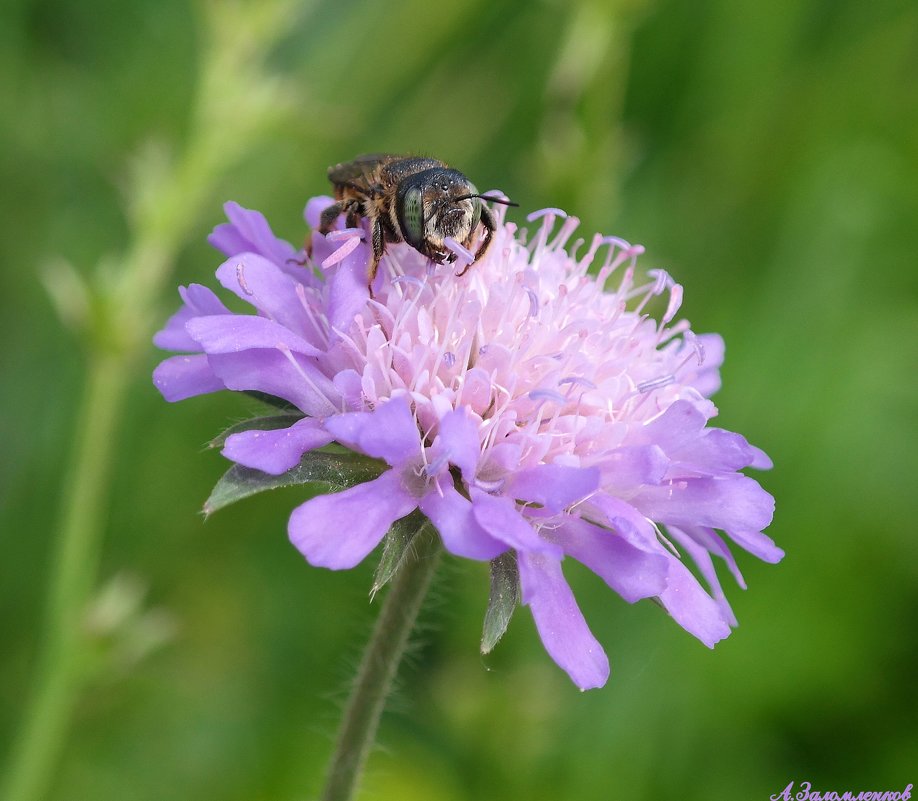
410,199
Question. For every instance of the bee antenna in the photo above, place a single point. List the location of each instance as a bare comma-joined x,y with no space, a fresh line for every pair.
501,200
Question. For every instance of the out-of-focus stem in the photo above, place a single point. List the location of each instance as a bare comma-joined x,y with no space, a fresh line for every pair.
59,673
235,102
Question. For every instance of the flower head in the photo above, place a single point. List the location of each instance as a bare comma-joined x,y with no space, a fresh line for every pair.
529,408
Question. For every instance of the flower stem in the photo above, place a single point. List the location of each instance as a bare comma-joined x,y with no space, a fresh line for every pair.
379,665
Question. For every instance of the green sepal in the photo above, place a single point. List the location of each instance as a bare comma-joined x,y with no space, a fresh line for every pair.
502,600
335,469
271,400
267,423
397,547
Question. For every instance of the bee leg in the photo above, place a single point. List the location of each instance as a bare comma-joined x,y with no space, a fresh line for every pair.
354,213
487,220
307,249
379,244
326,221
329,215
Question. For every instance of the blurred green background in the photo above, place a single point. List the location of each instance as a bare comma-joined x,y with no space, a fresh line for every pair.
765,153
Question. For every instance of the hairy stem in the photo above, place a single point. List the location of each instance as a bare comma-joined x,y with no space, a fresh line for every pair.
379,666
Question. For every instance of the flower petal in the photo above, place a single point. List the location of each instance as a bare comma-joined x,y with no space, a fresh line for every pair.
758,544
293,378
631,572
691,607
631,466
197,300
248,230
180,377
702,557
277,450
230,333
706,377
760,459
554,486
679,425
623,518
348,383
737,502
457,441
714,544
715,451
338,530
560,623
314,208
500,518
347,288
269,289
454,518
388,432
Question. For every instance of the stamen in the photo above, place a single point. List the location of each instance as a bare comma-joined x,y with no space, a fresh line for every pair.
318,321
437,465
655,383
545,212
490,486
587,260
299,368
666,334
341,253
560,240
462,252
675,301
408,279
663,281
618,242
533,303
240,279
697,350
576,379
344,233
547,395
634,251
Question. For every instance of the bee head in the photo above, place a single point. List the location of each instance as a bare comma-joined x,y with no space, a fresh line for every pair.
438,203
434,204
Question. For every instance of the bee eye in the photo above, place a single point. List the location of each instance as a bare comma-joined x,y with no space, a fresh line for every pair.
476,212
411,217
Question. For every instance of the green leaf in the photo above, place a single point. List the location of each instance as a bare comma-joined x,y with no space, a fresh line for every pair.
504,596
396,547
267,423
336,470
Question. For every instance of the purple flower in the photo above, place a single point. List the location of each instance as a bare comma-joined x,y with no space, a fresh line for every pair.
526,408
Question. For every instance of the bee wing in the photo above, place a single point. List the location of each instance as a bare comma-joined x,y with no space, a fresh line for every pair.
359,171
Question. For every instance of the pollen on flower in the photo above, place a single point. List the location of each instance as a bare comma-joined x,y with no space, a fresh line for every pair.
529,408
